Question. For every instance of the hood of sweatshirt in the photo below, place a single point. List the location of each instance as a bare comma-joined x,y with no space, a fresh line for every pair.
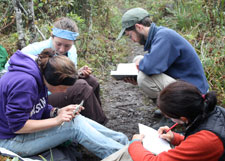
24,63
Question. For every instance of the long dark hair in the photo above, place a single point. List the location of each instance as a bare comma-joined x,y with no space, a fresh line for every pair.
56,69
182,99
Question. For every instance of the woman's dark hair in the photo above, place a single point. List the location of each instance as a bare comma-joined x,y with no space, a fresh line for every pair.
145,22
57,69
182,99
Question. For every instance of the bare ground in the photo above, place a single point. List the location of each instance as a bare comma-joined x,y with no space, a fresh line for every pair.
125,105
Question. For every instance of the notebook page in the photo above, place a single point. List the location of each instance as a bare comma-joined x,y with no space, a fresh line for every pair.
151,141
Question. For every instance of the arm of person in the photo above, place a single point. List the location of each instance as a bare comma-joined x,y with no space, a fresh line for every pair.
65,114
84,71
177,139
172,137
163,53
72,55
36,47
196,147
33,49
32,126
47,112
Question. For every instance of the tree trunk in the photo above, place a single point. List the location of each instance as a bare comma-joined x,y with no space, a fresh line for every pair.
31,22
19,24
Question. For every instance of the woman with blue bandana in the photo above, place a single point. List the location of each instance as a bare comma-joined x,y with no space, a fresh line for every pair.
64,34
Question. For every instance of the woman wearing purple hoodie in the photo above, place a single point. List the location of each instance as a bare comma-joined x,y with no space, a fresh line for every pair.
29,125
87,87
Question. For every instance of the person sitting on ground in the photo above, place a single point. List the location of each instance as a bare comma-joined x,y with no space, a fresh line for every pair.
204,121
29,125
170,57
64,34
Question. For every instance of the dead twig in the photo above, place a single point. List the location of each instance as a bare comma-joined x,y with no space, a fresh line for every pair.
4,15
26,13
125,105
9,24
202,44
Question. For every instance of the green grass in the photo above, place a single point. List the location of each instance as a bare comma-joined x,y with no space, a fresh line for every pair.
200,22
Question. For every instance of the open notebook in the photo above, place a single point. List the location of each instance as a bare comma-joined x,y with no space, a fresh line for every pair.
151,141
125,70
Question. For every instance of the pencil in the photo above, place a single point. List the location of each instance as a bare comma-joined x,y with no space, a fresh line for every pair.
78,107
76,110
171,127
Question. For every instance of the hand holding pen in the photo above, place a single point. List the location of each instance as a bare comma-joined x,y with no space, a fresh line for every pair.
75,111
78,108
166,133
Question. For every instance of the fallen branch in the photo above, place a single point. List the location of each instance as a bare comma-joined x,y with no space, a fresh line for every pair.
9,24
124,105
202,50
22,8
4,15
43,37
26,13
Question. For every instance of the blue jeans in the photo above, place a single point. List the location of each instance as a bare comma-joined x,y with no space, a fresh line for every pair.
93,136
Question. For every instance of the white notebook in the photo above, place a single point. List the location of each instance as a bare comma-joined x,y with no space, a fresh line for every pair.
125,70
152,142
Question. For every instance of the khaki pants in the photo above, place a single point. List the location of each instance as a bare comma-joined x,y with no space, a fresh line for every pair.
121,155
152,85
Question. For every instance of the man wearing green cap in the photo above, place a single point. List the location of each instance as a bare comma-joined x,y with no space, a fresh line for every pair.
169,56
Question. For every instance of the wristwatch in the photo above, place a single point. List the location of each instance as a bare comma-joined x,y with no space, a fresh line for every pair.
55,113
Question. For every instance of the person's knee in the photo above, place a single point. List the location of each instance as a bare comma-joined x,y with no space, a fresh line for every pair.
79,91
93,79
81,83
78,122
141,78
148,85
124,140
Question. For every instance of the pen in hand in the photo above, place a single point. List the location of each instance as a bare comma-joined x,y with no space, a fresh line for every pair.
171,128
77,109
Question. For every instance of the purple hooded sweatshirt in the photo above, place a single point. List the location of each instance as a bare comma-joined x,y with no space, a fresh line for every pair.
23,95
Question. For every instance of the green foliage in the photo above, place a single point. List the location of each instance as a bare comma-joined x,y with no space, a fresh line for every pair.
201,22
78,19
188,15
51,159
9,158
15,159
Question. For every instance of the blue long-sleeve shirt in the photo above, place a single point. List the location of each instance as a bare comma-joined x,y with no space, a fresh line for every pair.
170,53
37,47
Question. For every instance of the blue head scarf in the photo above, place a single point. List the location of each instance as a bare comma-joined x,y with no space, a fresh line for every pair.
65,34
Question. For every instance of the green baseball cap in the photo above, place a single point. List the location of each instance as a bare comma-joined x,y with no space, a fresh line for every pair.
131,17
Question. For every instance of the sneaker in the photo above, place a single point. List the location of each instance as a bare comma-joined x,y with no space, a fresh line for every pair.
158,113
